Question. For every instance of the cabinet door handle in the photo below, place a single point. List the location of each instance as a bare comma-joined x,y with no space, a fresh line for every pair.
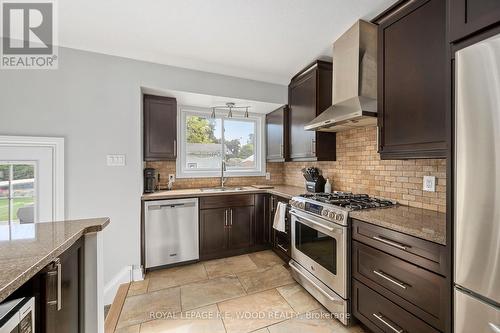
281,150
59,282
231,217
175,148
225,217
391,243
393,327
313,146
390,279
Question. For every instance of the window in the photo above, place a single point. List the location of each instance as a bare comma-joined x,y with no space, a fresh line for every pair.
205,142
17,193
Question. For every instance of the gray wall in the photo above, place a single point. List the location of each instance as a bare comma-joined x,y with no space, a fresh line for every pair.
94,102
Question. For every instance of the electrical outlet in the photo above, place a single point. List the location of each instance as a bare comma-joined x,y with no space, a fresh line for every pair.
268,176
115,160
171,178
429,184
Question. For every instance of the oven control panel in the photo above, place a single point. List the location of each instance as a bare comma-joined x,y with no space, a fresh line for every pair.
328,212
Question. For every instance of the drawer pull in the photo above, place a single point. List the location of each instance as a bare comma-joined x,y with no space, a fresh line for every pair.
282,248
391,243
390,279
386,323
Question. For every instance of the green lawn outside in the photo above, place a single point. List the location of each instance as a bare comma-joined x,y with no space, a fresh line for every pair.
18,203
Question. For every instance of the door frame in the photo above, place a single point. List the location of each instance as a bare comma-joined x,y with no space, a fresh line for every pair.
56,144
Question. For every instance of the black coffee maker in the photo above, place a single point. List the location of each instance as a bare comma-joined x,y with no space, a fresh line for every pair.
315,182
149,180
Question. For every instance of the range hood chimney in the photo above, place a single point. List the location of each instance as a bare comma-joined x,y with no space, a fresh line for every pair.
354,96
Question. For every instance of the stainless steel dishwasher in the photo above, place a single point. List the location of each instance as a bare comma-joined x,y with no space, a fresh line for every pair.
171,231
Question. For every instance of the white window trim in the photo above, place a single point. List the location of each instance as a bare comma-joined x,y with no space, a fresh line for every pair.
57,146
260,161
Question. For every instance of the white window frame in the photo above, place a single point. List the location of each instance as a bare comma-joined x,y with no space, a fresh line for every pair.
11,197
260,158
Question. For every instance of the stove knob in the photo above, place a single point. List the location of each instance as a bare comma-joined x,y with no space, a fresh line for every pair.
324,212
340,217
292,203
331,215
301,205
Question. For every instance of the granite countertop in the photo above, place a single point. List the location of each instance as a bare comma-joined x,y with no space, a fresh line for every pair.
285,191
418,222
25,249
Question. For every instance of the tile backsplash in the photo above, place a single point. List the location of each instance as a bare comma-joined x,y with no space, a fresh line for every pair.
358,169
168,167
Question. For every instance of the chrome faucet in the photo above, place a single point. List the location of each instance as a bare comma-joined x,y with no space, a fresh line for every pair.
222,178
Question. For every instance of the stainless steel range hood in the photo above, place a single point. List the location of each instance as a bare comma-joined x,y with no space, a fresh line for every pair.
354,96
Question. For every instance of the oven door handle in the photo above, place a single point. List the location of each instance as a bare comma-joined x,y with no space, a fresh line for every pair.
312,282
312,221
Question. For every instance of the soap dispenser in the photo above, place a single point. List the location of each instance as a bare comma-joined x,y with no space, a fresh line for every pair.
328,186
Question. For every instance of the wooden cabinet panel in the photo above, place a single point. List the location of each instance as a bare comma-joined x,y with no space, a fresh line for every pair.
424,290
281,241
309,94
412,82
420,252
160,128
277,135
262,224
303,110
69,318
381,315
241,227
213,232
469,16
221,201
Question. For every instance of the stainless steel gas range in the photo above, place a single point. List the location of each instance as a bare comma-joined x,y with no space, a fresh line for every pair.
320,245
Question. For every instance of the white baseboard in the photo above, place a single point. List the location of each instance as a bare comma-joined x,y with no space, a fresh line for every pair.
126,275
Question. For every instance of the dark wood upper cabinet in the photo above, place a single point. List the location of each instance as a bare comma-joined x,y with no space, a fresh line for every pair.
160,128
469,16
412,81
277,135
309,94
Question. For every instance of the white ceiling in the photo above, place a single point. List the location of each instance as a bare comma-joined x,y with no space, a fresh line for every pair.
208,101
265,40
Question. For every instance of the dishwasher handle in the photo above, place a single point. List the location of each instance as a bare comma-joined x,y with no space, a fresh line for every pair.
173,205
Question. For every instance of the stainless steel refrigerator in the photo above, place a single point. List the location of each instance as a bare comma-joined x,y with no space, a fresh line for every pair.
477,181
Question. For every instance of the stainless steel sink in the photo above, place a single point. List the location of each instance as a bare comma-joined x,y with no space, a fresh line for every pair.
221,189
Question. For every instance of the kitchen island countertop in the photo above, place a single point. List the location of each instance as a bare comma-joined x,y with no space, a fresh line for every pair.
25,249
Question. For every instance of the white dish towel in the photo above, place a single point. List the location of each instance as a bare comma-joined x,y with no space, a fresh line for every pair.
279,217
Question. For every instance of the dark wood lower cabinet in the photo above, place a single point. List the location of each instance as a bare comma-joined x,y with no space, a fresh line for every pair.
232,225
263,223
399,281
213,236
241,220
281,241
381,315
66,316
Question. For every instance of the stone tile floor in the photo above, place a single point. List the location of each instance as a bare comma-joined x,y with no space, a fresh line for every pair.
247,293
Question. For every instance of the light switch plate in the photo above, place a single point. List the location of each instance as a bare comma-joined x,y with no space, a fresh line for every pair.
429,184
171,178
116,160
268,176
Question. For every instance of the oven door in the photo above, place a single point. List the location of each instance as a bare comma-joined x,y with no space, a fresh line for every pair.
320,247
